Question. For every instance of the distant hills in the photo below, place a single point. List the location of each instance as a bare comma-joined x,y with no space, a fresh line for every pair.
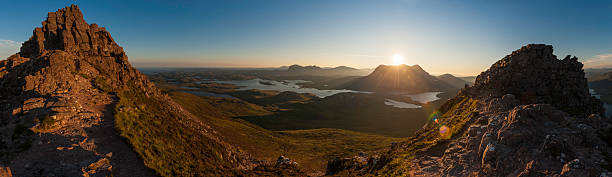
602,84
454,81
602,77
298,70
591,73
404,78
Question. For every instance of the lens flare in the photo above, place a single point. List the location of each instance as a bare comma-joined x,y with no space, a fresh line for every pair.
445,132
434,116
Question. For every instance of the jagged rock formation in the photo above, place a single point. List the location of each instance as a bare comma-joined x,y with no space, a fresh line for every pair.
487,130
57,97
534,75
400,78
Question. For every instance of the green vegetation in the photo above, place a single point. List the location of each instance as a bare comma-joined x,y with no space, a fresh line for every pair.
101,83
81,74
45,124
349,111
457,112
165,144
310,148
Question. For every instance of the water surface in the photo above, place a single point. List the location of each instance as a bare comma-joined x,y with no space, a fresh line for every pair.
399,104
285,85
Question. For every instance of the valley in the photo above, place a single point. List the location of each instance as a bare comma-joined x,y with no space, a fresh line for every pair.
295,106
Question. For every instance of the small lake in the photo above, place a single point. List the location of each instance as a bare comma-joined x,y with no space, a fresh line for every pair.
282,86
421,97
399,104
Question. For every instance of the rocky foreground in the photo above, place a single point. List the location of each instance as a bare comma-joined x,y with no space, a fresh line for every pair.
530,114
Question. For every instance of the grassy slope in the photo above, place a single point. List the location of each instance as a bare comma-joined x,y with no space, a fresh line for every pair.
349,111
456,113
310,148
166,145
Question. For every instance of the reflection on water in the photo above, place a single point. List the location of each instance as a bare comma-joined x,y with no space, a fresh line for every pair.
282,86
425,97
399,104
421,97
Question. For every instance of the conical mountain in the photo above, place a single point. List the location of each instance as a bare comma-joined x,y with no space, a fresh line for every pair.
530,114
400,78
72,105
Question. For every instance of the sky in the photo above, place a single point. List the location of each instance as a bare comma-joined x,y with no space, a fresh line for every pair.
459,37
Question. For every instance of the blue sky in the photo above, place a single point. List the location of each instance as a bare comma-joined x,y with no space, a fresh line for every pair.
462,37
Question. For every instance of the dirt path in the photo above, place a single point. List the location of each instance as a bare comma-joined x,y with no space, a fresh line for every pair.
124,160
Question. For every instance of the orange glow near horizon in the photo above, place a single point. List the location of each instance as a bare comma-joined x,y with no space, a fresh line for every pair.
398,59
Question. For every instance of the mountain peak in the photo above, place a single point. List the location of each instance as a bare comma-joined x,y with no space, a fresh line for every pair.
401,67
66,30
400,78
535,75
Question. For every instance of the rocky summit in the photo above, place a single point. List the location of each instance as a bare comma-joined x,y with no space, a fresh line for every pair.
534,75
72,105
530,114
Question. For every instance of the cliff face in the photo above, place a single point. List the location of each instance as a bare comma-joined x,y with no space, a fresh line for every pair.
530,114
72,105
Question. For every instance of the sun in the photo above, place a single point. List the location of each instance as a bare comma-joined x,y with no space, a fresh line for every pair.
398,59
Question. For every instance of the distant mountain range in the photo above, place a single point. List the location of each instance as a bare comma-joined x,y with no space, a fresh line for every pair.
602,77
454,81
590,73
602,84
319,71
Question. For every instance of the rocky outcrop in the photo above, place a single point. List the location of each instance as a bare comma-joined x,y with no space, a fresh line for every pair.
528,140
66,30
534,75
531,115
